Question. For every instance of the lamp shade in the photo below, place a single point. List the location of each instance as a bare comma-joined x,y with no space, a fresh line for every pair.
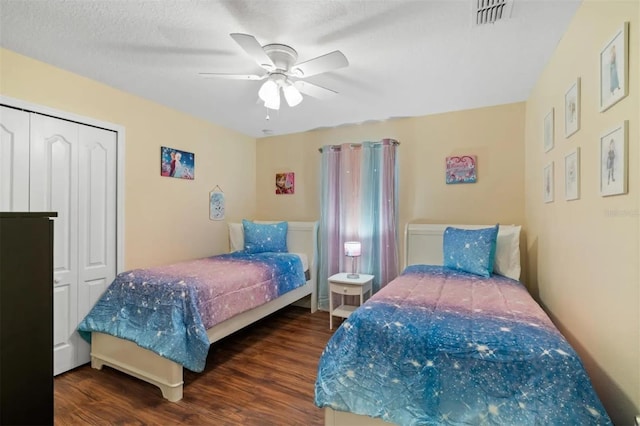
352,248
292,95
270,93
273,103
268,90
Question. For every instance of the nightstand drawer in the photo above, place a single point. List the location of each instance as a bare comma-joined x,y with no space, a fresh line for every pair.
346,289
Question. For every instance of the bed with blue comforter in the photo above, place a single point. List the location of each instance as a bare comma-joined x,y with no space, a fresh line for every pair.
439,346
168,309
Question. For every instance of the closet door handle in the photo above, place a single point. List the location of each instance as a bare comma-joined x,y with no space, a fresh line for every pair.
56,280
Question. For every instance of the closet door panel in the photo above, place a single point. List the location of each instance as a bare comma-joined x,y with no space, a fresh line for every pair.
61,309
54,187
96,220
14,160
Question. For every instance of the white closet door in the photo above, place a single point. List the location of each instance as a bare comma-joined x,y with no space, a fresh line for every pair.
57,165
96,221
14,160
54,187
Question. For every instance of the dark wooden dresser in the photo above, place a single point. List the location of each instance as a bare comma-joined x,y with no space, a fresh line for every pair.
26,318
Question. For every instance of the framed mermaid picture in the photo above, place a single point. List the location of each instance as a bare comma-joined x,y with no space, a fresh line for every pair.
614,69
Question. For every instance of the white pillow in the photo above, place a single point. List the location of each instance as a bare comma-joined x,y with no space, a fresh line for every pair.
507,260
236,237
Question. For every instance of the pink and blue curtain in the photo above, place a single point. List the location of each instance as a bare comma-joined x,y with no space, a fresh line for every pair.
359,202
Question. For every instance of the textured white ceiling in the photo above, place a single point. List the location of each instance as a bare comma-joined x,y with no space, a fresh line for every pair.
407,58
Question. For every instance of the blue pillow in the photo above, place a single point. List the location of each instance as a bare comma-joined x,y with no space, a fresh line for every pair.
470,250
260,238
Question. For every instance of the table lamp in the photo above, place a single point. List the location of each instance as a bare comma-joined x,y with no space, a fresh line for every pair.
352,250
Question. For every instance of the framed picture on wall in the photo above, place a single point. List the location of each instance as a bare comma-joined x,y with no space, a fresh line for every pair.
285,183
572,175
613,161
547,181
176,163
614,68
461,169
572,109
548,131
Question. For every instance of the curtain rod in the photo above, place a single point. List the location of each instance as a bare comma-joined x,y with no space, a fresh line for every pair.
337,147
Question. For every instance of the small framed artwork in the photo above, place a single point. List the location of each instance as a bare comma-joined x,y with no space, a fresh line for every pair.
176,163
614,68
572,175
572,109
548,131
461,169
547,176
613,161
285,183
216,204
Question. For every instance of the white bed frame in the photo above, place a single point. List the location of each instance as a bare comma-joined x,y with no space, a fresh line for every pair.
136,361
423,245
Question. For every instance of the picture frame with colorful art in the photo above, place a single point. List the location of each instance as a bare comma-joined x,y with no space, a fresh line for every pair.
614,68
572,109
461,169
614,161
177,163
285,183
572,175
547,181
548,131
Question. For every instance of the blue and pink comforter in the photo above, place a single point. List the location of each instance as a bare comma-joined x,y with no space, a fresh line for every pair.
168,309
437,346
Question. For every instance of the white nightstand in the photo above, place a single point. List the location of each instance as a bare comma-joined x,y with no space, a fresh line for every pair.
344,286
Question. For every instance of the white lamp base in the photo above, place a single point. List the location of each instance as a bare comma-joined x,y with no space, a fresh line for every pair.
353,268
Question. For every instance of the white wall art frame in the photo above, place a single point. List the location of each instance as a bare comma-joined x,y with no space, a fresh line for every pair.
548,131
547,181
572,109
572,175
614,161
614,68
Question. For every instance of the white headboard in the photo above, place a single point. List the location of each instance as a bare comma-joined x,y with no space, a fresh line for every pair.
423,242
302,237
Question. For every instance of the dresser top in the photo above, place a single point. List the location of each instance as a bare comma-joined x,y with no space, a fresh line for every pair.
27,215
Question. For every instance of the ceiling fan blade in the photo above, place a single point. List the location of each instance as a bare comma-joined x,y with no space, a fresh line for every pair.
250,45
314,90
232,76
324,63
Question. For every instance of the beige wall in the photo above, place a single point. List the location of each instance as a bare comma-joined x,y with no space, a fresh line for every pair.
494,134
166,219
583,254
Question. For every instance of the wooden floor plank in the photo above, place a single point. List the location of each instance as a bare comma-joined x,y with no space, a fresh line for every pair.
262,375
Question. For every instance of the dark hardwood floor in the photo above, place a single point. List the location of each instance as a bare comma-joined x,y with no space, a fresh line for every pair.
262,375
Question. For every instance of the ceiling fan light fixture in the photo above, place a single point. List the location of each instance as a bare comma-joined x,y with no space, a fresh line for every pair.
292,95
280,63
274,101
269,91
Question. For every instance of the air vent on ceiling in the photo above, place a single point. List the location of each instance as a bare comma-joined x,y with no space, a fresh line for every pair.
491,11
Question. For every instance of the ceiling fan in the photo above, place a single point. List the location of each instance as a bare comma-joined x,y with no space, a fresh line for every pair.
282,71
